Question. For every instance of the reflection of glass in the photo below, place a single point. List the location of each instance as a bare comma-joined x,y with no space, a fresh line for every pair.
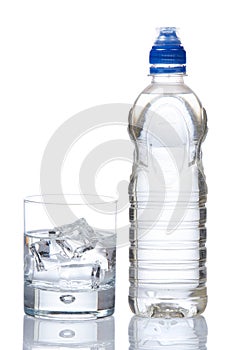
164,334
42,334
69,256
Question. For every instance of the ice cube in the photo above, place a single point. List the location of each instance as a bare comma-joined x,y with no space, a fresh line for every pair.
76,238
79,230
43,248
35,248
67,249
95,276
80,250
72,249
44,252
95,256
54,248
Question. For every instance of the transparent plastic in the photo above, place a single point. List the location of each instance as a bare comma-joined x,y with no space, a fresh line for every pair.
167,194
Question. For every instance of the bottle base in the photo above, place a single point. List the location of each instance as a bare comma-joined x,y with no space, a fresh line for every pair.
167,308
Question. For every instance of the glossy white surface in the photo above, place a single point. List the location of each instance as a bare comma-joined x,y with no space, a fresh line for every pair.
60,57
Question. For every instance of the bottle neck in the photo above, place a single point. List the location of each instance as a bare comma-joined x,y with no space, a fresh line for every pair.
168,78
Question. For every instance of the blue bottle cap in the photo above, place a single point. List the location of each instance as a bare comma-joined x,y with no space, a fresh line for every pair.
167,54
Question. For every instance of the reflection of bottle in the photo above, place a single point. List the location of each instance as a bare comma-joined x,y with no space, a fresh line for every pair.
168,334
50,334
167,190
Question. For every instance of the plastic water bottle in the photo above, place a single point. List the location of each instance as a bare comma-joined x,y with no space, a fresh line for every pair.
167,190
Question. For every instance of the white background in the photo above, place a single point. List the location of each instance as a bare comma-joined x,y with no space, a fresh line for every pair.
60,57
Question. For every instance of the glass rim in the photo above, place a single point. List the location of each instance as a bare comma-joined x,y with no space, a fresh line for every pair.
41,199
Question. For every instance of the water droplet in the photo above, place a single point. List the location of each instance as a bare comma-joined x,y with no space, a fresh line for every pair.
67,333
67,299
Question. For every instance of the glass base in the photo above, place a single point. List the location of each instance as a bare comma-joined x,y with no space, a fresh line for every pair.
76,316
69,305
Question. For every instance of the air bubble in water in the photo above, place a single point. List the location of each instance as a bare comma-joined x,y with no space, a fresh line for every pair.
67,299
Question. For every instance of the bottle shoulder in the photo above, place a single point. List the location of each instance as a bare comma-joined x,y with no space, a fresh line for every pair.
169,104
156,94
168,89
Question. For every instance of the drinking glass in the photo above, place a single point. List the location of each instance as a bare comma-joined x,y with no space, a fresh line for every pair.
69,255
